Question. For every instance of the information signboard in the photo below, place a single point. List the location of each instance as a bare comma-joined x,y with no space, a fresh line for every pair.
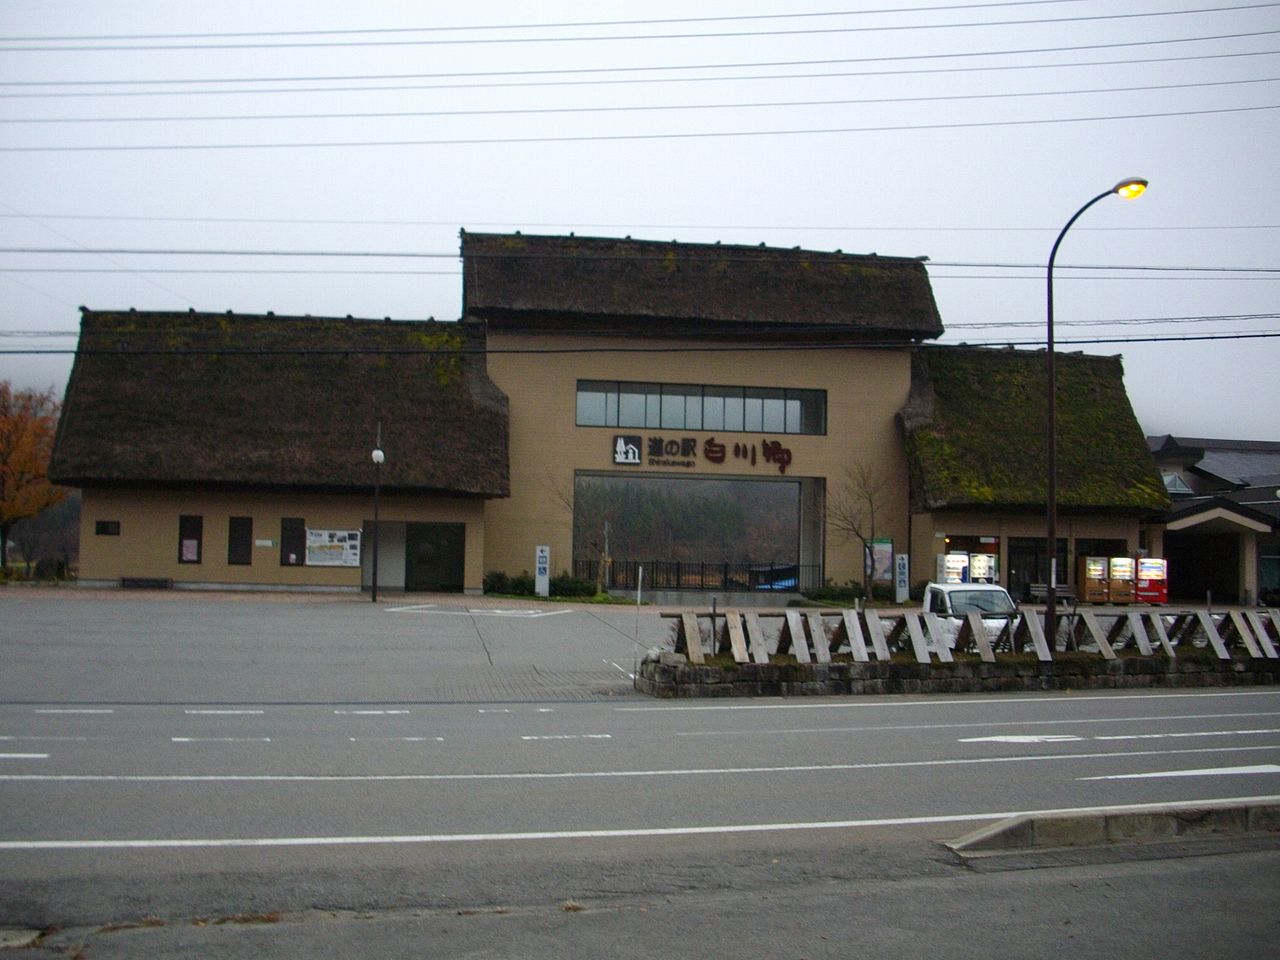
333,548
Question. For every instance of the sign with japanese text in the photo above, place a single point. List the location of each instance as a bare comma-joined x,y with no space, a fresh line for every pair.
687,453
542,571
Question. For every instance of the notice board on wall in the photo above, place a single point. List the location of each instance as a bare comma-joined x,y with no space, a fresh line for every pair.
333,548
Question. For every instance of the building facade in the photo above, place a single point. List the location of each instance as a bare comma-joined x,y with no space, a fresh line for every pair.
743,416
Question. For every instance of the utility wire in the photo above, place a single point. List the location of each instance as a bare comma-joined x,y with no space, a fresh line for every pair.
642,108
1037,324
530,84
775,228
626,137
704,253
533,26
76,47
560,351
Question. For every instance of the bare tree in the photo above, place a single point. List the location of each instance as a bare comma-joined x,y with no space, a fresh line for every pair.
857,505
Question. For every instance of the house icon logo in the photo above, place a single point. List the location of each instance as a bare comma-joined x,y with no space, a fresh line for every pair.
626,450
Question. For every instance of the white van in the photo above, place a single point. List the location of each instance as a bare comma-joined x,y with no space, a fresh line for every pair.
957,599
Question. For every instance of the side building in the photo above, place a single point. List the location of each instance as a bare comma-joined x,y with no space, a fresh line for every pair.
231,450
975,429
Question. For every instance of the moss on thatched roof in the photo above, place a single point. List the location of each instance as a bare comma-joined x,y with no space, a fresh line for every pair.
974,428
589,285
263,401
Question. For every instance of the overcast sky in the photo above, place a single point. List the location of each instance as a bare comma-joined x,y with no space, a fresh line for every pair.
965,132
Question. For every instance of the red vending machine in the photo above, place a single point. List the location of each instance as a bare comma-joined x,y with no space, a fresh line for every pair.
1153,580
1121,579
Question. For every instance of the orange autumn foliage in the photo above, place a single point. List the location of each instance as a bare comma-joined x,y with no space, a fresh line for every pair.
28,420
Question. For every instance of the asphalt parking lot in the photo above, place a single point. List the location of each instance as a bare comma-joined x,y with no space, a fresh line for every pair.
97,646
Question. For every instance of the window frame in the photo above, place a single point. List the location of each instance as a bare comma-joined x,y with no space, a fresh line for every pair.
706,408
190,531
293,532
240,541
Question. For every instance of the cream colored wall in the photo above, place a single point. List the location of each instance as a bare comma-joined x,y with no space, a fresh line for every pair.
930,533
147,546
865,389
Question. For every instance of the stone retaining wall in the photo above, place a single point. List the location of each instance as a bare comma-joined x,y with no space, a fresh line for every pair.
671,675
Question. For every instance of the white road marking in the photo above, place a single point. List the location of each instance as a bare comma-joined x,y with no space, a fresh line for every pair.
224,713
24,756
490,710
370,713
1214,772
639,832
73,710
981,725
573,736
518,614
1070,738
395,739
600,774
1177,736
220,739
58,739
616,666
978,700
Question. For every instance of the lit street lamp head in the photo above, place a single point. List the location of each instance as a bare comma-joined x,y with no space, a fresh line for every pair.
379,457
1130,189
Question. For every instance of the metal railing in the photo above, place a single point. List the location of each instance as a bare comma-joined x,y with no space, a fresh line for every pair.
702,575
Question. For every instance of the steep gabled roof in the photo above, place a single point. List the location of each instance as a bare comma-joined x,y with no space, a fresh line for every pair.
592,285
974,429
263,401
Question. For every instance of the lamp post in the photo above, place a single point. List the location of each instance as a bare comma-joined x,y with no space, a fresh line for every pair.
1129,189
378,459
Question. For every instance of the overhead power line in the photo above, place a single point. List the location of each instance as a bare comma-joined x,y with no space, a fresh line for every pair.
559,25
1036,324
614,108
77,47
599,76
667,227
726,254
560,351
625,137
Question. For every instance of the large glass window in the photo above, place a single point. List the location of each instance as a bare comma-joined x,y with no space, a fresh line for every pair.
597,404
639,405
603,403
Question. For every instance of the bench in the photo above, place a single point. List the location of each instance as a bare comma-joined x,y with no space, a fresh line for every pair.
1039,593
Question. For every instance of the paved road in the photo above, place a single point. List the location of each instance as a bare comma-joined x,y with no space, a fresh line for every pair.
329,774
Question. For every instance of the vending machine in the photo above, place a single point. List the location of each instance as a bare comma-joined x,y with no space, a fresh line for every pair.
953,568
1152,585
1092,580
1121,577
984,568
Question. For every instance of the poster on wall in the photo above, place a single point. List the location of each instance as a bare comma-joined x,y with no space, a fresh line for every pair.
333,548
882,560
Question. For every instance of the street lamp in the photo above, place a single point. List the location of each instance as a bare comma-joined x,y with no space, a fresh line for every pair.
378,459
1129,189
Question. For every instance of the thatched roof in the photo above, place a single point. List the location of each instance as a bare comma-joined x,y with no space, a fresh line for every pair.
974,429
593,285
223,400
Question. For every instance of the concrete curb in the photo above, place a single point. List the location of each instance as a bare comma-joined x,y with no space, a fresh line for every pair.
1106,826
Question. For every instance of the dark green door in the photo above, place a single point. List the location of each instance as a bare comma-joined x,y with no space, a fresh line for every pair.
434,556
